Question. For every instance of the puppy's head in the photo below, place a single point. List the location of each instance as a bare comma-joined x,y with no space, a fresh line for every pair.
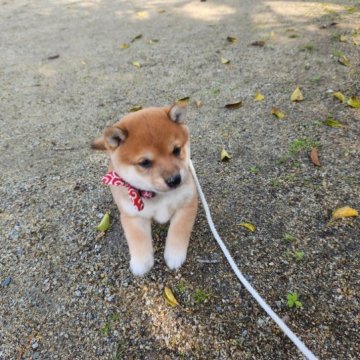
149,148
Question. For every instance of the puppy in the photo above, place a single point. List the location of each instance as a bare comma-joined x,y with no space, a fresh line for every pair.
149,178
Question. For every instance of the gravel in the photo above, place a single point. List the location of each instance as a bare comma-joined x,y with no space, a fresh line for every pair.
66,292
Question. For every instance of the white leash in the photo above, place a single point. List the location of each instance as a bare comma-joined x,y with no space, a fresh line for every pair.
299,344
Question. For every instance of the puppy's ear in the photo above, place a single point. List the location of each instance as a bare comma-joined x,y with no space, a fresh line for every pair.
98,144
111,139
177,113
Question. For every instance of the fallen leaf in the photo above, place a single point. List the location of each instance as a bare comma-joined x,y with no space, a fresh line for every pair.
260,43
153,41
224,156
169,297
344,212
233,106
135,108
297,95
344,61
351,9
136,64
354,102
278,113
231,39
198,103
104,223
161,11
356,39
142,14
343,38
225,61
339,95
183,101
53,57
333,123
314,156
124,46
137,37
248,226
259,96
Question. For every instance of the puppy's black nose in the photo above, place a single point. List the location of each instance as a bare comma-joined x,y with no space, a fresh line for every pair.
173,181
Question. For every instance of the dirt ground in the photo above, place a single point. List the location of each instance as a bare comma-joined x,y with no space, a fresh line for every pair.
67,293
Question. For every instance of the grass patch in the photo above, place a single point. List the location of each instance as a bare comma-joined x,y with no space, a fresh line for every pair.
200,296
299,145
289,237
307,47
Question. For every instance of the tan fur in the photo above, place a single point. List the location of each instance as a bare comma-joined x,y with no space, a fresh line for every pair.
152,134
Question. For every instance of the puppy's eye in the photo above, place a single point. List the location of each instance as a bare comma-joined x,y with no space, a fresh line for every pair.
176,151
146,163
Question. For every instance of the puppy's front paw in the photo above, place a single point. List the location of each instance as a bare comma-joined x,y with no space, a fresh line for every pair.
174,258
140,266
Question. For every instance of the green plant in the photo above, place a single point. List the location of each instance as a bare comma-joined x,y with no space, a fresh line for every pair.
293,300
105,329
275,182
308,47
338,53
289,237
254,170
316,78
299,145
299,255
180,287
200,296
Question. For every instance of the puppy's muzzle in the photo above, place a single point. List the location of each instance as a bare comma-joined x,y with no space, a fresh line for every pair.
173,181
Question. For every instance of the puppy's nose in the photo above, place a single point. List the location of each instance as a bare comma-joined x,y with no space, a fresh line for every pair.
173,181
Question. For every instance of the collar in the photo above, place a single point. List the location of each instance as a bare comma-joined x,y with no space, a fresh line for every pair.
136,195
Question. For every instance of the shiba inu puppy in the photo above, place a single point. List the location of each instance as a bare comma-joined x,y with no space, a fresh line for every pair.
149,178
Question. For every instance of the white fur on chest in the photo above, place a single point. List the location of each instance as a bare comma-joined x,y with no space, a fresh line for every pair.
161,207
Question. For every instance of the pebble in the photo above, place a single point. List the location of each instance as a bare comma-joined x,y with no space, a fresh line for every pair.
34,345
6,282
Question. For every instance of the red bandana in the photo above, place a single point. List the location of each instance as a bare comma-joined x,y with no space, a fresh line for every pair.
112,178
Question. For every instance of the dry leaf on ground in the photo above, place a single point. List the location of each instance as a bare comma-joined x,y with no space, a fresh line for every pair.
169,297
183,101
136,64
233,106
224,156
278,113
124,46
259,96
344,212
198,103
135,108
225,61
314,156
104,223
344,60
340,96
354,102
231,39
333,123
248,226
297,95
260,43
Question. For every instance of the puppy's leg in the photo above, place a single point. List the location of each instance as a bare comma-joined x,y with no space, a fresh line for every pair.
138,235
179,233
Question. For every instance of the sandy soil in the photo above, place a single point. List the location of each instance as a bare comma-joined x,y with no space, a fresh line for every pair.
68,294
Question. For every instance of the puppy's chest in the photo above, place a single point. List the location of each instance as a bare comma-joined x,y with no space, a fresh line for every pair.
163,206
